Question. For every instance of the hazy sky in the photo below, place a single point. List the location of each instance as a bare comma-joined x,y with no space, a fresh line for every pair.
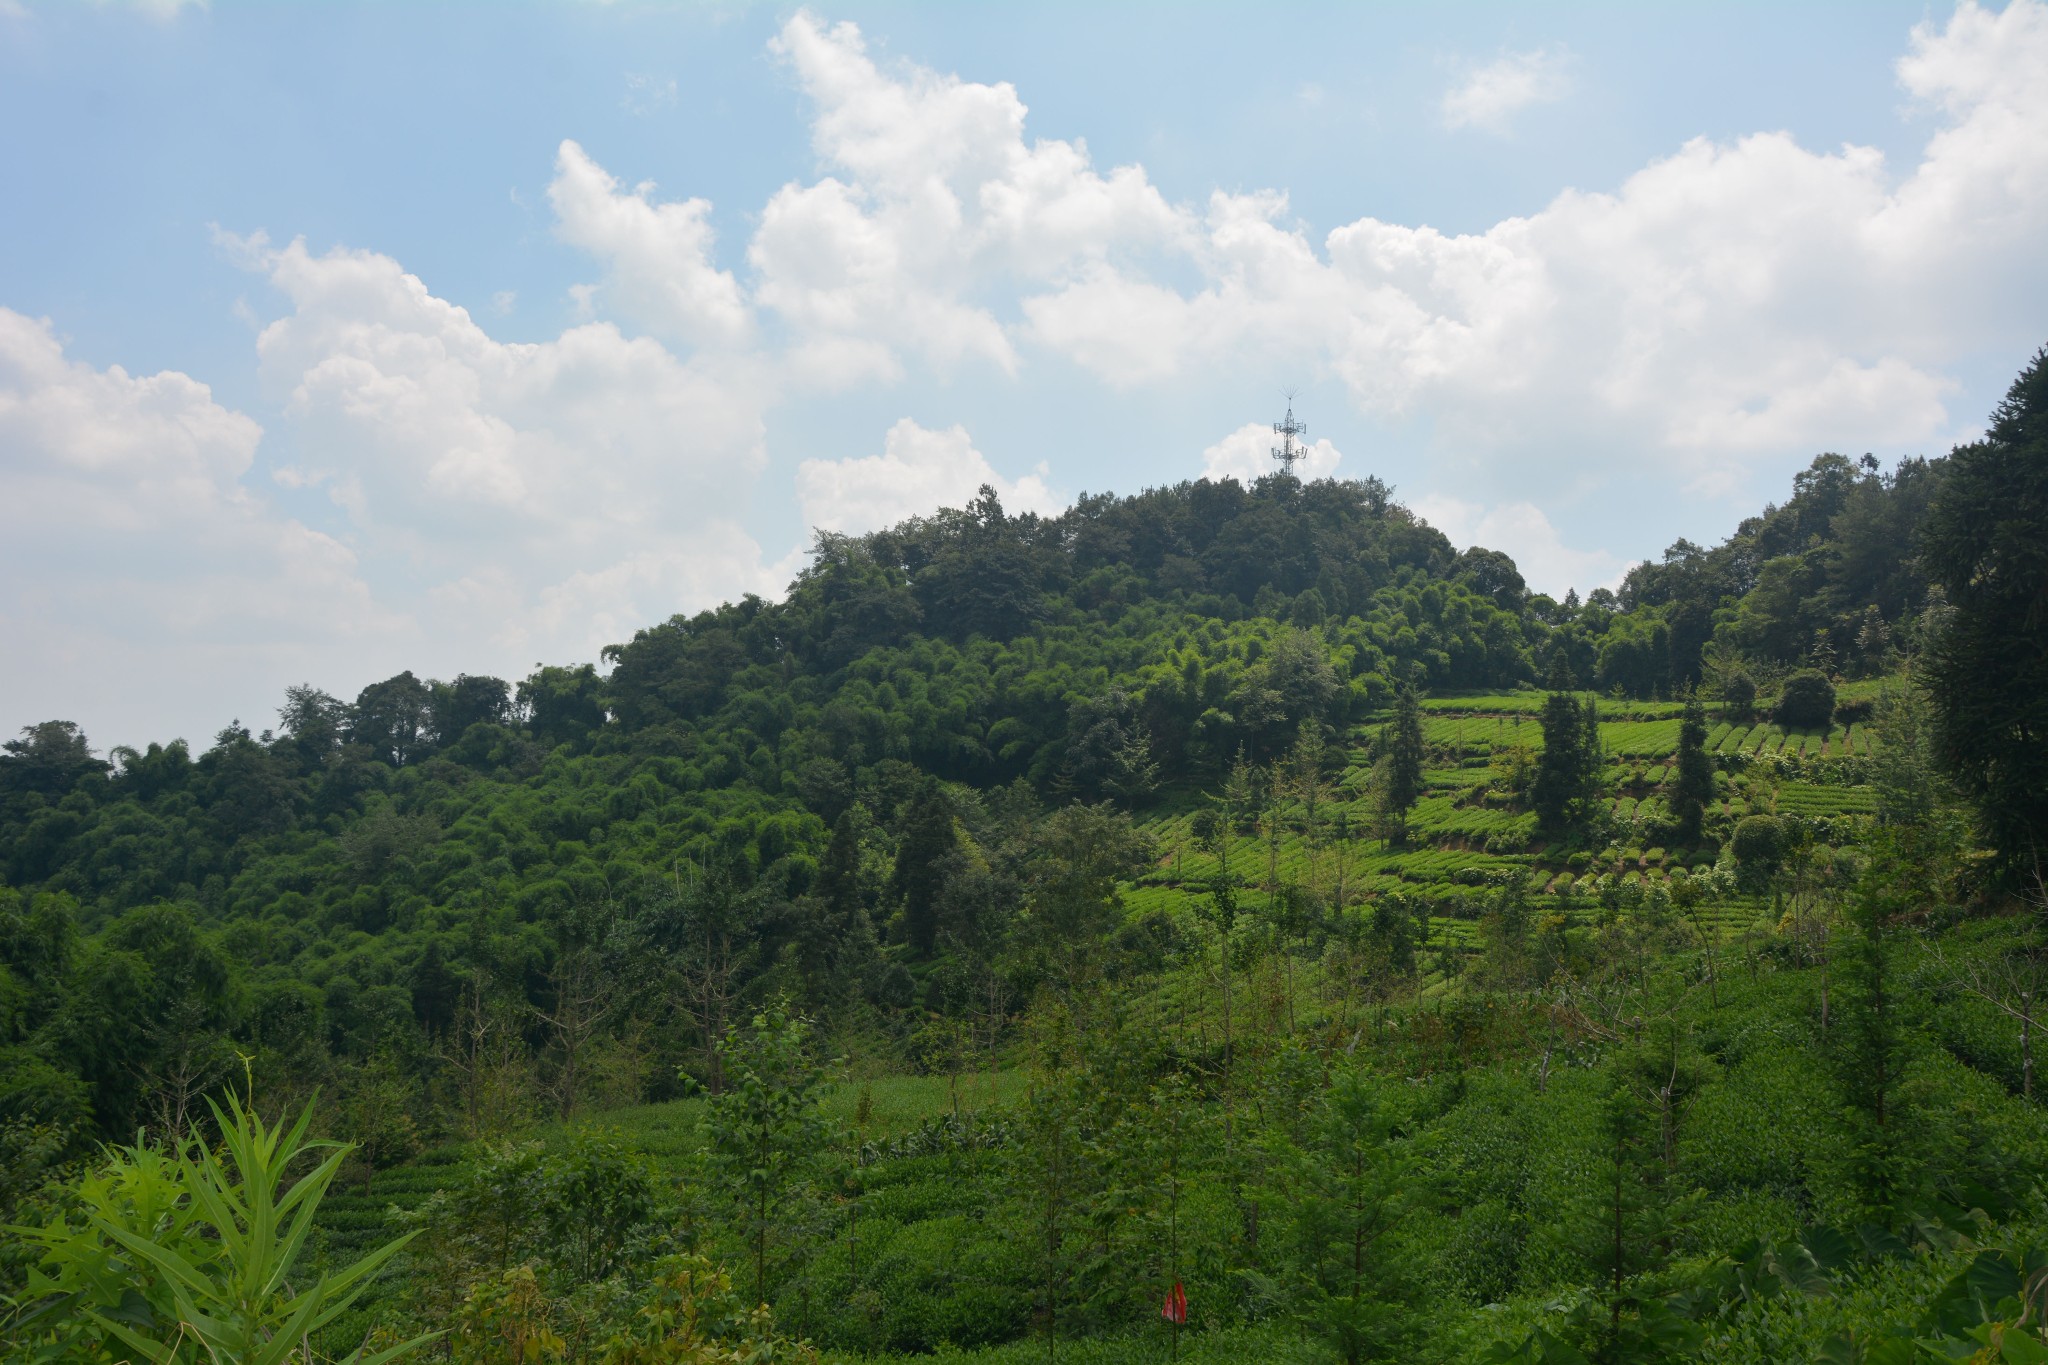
337,339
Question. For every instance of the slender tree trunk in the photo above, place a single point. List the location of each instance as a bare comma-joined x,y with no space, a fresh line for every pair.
2027,1045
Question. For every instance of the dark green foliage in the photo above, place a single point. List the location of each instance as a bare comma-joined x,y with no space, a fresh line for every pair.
1692,788
563,705
392,719
1759,846
48,760
1824,568
1564,792
1986,545
1109,755
1806,702
1401,782
1738,695
921,866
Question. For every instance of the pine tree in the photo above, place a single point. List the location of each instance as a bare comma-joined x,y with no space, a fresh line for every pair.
1693,785
1558,791
837,939
1986,545
920,874
1343,1184
1402,786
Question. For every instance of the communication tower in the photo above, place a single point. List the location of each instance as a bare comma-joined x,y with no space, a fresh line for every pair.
1289,450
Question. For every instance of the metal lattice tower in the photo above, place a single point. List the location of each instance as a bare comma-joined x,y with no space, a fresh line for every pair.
1289,450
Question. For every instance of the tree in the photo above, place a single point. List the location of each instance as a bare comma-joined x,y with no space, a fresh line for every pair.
1985,544
1692,788
390,718
487,1062
693,945
837,937
563,705
921,865
1048,1178
472,699
1872,1044
581,1001
765,1129
1401,742
1635,1218
1559,792
1345,1183
1806,702
1738,695
988,579
1075,860
1109,755
1759,846
50,758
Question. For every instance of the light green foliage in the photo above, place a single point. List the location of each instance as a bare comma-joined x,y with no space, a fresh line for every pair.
765,1132
1343,1175
189,1254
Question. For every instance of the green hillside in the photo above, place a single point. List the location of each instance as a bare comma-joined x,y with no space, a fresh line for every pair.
1223,904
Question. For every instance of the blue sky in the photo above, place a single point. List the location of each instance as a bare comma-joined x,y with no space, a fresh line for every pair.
341,339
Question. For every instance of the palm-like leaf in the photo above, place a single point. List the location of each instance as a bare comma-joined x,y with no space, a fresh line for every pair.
227,1296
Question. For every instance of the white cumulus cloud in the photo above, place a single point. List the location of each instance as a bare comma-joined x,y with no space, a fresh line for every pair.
137,574
935,202
918,472
1727,303
1247,456
1523,532
540,498
660,255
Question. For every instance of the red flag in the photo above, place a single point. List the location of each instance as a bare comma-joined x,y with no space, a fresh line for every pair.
1175,1309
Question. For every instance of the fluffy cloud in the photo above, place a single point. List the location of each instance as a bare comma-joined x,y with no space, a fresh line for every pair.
1523,532
1247,456
659,254
1728,302
1490,96
542,498
139,573
936,204
918,471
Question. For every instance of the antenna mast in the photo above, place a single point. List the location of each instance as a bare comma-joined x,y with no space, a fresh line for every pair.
1289,450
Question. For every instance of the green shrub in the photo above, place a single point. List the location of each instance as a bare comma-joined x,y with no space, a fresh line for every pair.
1759,844
1807,701
1738,695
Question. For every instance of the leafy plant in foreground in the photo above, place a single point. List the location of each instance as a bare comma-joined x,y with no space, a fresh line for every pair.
189,1255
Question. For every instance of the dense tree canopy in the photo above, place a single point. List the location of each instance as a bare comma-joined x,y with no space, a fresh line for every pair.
1986,545
368,860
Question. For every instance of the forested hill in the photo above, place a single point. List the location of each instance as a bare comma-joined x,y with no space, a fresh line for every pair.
311,891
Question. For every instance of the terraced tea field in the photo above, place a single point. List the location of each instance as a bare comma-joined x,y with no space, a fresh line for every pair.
1466,838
